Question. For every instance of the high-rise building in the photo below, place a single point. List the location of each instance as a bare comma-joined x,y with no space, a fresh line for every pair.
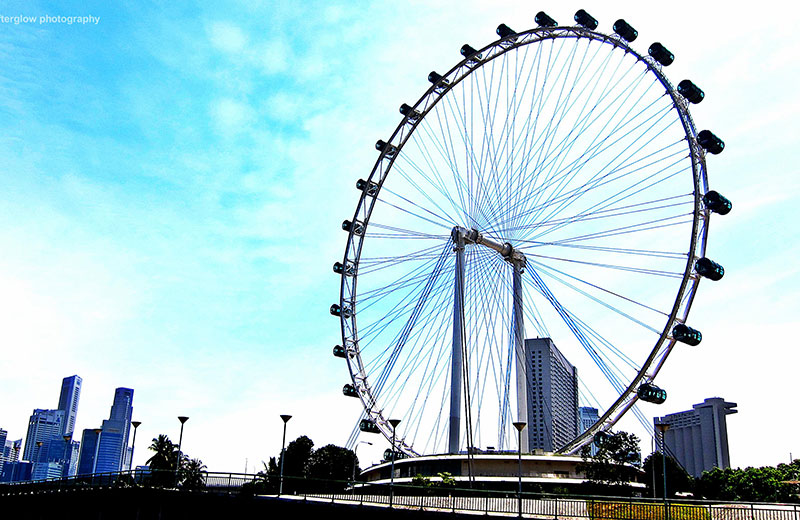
86,465
43,426
68,401
3,439
587,416
698,438
552,396
111,454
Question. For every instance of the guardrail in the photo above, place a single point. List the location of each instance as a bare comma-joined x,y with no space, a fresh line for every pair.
558,507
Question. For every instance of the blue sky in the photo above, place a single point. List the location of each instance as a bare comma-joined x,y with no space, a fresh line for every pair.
173,180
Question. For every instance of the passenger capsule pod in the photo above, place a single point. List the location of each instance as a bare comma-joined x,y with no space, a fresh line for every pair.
409,112
387,455
710,142
356,227
600,438
468,52
709,269
584,19
339,351
625,30
370,188
686,334
434,77
651,393
505,31
389,148
366,425
717,203
691,91
338,268
542,20
349,391
336,310
661,54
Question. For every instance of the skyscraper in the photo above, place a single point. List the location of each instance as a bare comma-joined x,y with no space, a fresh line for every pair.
43,426
111,455
3,438
68,402
552,396
587,416
698,438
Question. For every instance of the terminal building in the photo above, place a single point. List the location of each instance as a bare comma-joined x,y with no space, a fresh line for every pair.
698,438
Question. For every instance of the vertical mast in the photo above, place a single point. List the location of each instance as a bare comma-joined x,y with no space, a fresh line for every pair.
458,342
519,353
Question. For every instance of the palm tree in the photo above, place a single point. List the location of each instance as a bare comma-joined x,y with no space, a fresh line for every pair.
162,463
192,473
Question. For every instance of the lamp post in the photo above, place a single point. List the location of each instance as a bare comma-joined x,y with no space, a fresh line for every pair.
285,419
519,426
661,427
135,425
355,459
182,419
394,423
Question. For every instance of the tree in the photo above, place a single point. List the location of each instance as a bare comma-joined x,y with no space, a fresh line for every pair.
166,454
616,462
192,474
677,477
764,484
331,463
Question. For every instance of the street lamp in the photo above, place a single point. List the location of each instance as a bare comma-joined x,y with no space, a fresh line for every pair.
661,427
285,419
394,423
519,426
355,458
182,419
135,425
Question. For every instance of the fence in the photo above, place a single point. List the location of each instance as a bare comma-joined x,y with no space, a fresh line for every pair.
557,507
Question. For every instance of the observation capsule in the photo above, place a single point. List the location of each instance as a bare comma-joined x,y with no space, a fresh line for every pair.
336,310
661,54
349,390
600,438
434,77
584,19
409,112
542,20
356,227
366,425
710,142
338,268
468,52
686,334
339,351
690,91
709,269
370,188
504,31
651,393
625,30
389,148
717,203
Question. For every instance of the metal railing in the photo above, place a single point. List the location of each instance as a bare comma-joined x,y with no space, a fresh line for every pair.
420,498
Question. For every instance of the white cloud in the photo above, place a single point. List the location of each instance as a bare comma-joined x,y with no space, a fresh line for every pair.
227,37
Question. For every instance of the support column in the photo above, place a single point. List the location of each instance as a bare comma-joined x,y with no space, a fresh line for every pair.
519,353
458,342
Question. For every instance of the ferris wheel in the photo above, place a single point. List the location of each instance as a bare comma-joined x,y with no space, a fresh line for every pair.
552,184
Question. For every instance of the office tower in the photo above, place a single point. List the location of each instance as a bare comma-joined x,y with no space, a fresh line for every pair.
3,439
552,396
68,402
111,454
86,465
698,438
587,416
43,426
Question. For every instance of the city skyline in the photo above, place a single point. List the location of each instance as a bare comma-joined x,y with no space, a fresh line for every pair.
189,168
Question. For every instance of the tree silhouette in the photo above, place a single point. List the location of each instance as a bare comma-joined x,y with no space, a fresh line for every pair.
677,477
616,462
